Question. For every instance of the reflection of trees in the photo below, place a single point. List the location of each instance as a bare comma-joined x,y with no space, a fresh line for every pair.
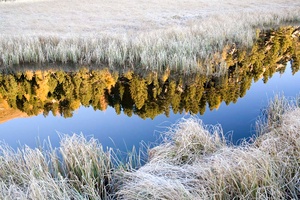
138,91
59,92
152,94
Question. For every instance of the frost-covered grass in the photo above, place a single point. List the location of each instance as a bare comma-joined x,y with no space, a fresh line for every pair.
271,116
193,162
152,35
79,169
196,163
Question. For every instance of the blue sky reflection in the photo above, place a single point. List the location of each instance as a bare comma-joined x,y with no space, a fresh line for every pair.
121,131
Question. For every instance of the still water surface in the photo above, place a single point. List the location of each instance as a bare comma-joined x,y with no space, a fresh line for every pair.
123,132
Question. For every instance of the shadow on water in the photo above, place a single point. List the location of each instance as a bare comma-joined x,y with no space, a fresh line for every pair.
147,94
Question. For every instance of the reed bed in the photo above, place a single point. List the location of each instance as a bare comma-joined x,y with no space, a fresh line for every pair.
178,47
194,161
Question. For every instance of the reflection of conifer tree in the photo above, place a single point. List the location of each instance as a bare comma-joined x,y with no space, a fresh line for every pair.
85,92
274,52
26,89
32,107
150,110
175,98
9,88
42,88
58,92
121,91
115,98
117,107
74,104
221,85
281,70
55,109
47,109
191,98
234,92
103,102
52,83
255,60
202,105
128,111
138,91
213,98
245,85
64,109
269,73
295,65
77,79
102,81
286,41
154,86
69,88
127,102
166,111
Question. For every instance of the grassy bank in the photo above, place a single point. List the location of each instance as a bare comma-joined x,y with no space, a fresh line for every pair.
193,162
196,163
161,37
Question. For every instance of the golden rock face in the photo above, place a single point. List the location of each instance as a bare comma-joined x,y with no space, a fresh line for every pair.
7,113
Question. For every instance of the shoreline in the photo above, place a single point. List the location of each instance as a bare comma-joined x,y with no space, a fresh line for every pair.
193,161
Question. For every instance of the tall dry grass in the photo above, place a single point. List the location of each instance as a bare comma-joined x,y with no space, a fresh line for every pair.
79,169
179,47
271,116
193,162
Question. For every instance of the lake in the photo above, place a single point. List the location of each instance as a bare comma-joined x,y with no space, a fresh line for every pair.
122,107
123,131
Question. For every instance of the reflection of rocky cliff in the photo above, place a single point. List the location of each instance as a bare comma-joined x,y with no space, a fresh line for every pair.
149,94
7,113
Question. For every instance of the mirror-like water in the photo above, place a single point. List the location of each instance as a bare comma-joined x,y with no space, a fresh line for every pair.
122,131
122,108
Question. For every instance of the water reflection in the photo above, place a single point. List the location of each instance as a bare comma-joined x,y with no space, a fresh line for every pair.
147,94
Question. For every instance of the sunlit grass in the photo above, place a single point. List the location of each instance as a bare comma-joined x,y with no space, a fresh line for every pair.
194,161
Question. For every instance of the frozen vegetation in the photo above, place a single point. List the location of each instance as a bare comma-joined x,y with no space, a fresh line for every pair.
140,34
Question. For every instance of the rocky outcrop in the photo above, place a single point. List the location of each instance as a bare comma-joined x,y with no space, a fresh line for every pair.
7,113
